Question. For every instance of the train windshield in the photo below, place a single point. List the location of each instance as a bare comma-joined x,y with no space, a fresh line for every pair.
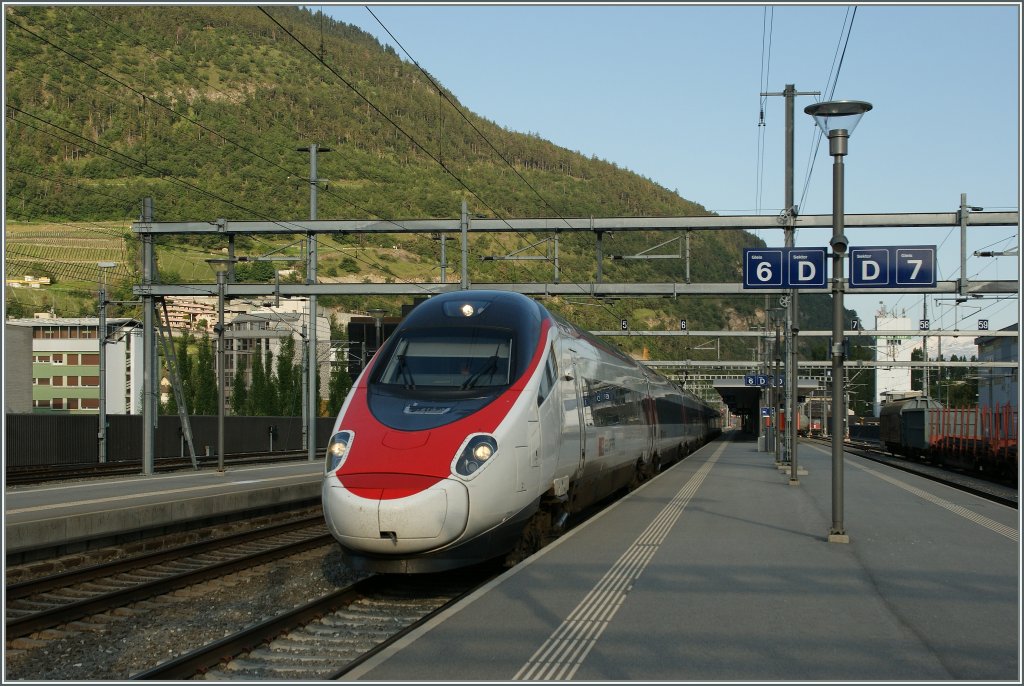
449,359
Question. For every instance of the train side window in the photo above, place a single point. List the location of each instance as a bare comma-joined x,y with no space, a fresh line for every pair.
547,380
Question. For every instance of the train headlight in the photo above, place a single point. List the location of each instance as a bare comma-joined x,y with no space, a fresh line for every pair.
337,450
465,309
476,453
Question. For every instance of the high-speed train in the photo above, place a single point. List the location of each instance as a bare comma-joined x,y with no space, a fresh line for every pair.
482,424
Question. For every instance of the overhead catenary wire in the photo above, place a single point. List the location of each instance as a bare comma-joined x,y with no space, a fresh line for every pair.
114,155
443,95
390,120
380,112
142,164
291,173
192,120
831,81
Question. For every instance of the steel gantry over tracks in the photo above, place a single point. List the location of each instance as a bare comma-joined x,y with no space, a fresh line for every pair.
147,229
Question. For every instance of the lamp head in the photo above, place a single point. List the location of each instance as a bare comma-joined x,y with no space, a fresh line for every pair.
220,264
839,244
838,114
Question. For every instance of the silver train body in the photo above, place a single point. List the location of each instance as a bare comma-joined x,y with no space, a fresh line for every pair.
485,422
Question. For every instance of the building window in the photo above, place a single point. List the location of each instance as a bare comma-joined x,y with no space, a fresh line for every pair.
58,404
58,381
90,403
73,358
90,381
46,403
72,381
58,358
90,358
42,358
72,403
42,382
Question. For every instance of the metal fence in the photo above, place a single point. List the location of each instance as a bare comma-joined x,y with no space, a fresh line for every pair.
50,439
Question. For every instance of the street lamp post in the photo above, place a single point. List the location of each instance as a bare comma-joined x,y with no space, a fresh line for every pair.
837,119
101,434
221,266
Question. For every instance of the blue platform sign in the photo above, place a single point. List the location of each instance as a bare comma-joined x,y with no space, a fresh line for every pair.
893,267
805,267
763,268
784,268
915,266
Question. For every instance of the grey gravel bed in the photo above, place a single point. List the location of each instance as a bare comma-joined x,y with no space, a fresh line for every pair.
113,647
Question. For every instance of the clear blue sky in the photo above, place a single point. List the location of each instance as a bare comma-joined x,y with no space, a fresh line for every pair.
672,93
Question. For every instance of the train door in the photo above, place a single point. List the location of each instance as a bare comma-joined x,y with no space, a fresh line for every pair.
545,424
574,437
651,419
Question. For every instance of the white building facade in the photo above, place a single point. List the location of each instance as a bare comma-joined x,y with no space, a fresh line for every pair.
894,348
65,365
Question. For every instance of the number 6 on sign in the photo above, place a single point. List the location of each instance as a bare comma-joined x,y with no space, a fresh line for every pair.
762,268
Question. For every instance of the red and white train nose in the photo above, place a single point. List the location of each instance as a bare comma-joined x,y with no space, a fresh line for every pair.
385,520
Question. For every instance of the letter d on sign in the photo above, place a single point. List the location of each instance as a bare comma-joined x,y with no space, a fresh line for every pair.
869,270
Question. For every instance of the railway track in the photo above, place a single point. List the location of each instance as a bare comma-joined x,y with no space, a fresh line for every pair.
329,636
51,601
45,473
984,488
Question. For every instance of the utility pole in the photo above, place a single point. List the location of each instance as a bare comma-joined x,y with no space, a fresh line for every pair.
788,217
101,335
464,225
444,260
149,383
305,386
924,349
313,405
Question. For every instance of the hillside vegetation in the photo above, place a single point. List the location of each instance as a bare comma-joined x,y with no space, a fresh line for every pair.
203,108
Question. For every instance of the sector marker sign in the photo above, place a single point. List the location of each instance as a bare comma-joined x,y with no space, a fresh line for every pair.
784,268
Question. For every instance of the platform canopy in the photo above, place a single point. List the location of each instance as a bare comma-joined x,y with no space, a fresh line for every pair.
742,399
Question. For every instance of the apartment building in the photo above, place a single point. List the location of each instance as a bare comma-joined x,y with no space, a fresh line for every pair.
64,358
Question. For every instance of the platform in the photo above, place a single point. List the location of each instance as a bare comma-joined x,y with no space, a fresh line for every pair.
59,516
720,570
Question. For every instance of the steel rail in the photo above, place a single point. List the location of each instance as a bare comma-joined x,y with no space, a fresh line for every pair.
45,619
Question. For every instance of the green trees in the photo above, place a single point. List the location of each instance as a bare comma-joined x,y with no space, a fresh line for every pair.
239,387
259,389
205,379
274,389
340,384
196,371
289,380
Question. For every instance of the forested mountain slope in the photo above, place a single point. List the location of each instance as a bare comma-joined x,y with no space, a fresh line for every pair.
203,108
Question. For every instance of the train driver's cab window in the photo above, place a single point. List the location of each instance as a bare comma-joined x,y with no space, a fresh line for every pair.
458,361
